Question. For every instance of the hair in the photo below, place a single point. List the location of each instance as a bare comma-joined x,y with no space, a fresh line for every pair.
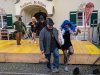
34,19
19,19
69,23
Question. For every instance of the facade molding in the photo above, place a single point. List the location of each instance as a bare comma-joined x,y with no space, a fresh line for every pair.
47,5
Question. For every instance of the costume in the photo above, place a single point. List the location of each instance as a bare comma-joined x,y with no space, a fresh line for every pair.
66,33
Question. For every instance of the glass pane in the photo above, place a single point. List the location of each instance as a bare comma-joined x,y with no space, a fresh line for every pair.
80,17
0,22
4,21
4,17
0,17
79,13
80,23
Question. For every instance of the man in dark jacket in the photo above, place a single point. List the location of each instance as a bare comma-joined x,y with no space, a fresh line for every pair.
19,26
48,40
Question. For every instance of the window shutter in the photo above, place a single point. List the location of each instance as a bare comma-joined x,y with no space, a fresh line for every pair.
94,18
73,17
9,21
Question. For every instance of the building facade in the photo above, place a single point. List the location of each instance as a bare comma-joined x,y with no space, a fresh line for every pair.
58,10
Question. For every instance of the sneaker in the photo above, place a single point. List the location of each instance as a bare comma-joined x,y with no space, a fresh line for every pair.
49,70
66,69
55,70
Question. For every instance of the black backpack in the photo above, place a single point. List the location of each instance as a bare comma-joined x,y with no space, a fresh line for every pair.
96,71
76,71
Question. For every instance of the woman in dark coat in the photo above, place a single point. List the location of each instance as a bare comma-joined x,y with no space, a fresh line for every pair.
33,29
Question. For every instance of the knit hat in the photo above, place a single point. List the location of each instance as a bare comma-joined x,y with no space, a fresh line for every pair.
50,21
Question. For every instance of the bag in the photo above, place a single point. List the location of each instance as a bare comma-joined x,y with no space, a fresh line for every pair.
76,71
43,59
60,37
96,71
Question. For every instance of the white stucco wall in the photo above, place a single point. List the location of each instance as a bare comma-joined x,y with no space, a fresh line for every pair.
63,7
8,6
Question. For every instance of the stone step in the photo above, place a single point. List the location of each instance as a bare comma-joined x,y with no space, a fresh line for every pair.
15,73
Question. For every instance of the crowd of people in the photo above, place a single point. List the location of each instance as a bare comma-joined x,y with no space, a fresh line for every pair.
35,28
49,39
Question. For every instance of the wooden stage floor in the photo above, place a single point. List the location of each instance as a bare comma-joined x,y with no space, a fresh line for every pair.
28,52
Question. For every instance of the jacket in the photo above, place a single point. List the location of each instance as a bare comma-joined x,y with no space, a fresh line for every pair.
44,39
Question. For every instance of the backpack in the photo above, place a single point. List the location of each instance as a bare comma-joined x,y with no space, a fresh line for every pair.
76,71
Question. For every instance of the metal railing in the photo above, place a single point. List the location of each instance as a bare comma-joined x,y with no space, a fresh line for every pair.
4,33
98,32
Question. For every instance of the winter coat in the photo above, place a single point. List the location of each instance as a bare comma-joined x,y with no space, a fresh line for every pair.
45,37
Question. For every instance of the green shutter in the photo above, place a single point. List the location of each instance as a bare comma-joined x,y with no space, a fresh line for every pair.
9,21
94,18
73,17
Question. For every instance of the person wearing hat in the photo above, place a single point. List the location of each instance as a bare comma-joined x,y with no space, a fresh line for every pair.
19,26
40,24
48,40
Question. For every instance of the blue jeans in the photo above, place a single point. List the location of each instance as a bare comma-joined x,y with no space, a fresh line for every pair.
55,60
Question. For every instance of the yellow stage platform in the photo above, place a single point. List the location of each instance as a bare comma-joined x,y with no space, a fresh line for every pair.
29,52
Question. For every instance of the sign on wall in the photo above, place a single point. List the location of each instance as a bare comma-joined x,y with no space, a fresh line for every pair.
33,3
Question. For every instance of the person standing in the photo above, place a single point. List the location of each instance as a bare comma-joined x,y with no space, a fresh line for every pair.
33,28
67,29
40,24
48,40
19,26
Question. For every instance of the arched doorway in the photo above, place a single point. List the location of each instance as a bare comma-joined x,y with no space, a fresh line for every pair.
33,10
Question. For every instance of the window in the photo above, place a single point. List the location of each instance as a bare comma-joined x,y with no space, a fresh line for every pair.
80,18
9,21
0,22
3,21
73,17
94,18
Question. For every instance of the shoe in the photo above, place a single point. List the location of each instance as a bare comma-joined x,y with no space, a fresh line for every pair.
49,70
66,69
55,70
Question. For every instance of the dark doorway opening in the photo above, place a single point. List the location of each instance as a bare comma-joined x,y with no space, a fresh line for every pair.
37,15
40,24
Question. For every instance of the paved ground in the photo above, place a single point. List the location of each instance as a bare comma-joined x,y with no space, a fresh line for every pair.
40,69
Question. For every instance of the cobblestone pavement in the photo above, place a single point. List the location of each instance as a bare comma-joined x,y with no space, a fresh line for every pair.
40,69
